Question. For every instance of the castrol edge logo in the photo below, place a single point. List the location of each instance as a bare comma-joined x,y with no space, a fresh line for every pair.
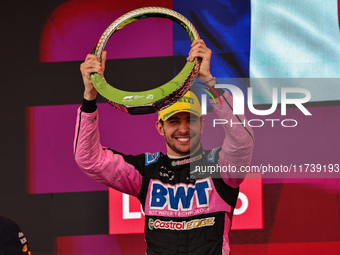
182,225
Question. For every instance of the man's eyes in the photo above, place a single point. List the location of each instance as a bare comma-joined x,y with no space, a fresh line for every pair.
173,121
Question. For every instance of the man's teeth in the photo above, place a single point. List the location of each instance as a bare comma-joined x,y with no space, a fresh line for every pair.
182,139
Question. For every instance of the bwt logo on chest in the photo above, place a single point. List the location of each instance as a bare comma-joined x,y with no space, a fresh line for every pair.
180,196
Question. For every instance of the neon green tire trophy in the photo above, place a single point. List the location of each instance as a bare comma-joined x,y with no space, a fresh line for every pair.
153,100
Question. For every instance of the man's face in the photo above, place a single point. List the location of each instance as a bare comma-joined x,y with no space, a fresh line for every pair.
182,133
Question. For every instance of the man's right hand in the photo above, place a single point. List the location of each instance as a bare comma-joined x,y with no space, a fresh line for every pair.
91,64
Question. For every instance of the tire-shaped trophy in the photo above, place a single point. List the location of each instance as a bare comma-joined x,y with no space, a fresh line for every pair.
153,100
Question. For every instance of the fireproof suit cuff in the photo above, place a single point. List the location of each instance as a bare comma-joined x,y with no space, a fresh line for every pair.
89,106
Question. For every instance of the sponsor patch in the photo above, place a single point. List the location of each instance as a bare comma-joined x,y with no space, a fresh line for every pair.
182,225
180,196
151,158
186,161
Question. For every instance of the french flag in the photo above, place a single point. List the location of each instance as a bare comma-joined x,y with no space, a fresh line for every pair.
271,39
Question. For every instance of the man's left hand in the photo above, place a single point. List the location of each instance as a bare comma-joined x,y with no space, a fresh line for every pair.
200,50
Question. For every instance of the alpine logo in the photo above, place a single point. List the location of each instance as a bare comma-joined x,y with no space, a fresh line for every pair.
183,225
151,158
180,196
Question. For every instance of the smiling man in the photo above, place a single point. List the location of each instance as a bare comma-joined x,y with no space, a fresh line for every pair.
181,124
186,211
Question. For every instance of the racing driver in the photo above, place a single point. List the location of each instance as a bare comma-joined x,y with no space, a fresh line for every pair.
186,211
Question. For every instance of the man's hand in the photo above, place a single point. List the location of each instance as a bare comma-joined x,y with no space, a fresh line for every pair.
200,50
91,64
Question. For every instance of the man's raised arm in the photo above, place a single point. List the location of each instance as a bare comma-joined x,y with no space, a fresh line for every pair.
99,163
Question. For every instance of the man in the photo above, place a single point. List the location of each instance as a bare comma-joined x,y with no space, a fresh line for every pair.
186,211
12,240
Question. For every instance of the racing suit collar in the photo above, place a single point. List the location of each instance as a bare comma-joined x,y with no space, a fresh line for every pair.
177,163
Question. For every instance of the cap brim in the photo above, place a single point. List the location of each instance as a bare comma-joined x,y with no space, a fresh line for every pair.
167,116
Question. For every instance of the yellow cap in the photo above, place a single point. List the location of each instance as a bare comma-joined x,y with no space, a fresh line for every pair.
188,103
